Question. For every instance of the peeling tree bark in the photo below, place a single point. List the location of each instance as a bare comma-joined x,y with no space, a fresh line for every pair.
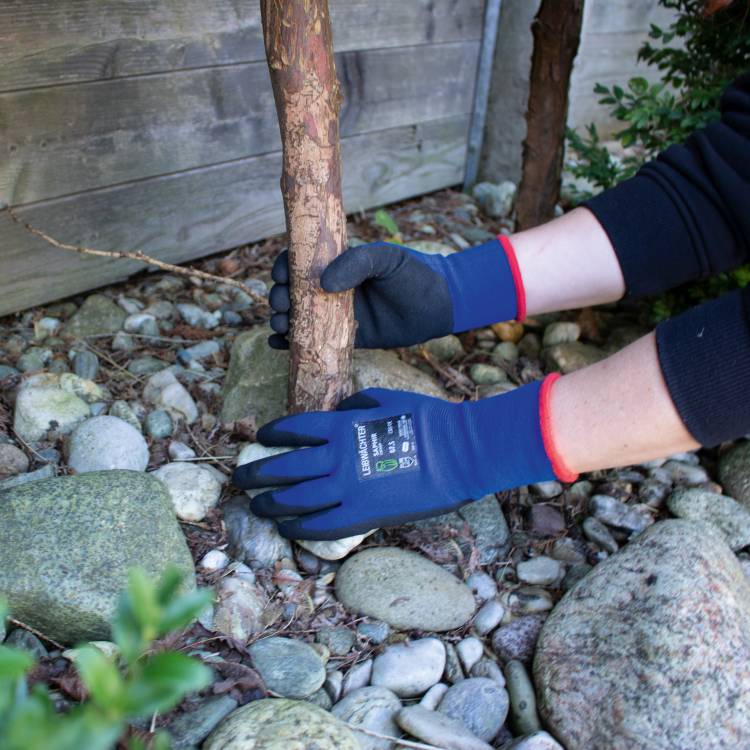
299,48
557,32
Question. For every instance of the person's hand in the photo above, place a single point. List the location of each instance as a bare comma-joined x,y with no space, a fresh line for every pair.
388,457
403,297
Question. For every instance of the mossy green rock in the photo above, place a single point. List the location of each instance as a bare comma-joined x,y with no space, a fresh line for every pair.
66,545
256,382
281,724
97,315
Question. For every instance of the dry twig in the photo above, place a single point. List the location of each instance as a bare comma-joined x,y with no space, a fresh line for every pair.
137,255
36,632
403,743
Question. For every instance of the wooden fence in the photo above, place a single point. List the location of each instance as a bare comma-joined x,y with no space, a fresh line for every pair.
150,124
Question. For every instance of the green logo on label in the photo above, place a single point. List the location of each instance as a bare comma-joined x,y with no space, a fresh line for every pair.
387,464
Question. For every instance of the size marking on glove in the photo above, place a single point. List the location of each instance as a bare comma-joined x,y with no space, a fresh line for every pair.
385,447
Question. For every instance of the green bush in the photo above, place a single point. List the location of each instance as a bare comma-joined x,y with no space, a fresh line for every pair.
138,684
697,57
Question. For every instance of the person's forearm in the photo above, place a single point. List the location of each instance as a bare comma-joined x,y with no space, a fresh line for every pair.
617,412
568,263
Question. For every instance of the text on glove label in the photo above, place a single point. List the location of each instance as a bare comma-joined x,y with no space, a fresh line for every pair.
385,446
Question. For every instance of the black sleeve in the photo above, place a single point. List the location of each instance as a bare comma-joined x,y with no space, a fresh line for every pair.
686,214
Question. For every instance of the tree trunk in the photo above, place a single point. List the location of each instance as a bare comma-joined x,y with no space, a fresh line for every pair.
299,48
557,32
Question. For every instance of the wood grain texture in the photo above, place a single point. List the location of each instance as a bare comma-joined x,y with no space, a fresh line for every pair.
192,214
50,42
68,139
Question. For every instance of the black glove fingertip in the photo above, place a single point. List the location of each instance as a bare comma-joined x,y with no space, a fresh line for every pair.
280,270
279,298
280,323
277,341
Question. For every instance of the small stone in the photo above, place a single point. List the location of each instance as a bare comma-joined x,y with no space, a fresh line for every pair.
568,550
198,352
495,199
575,573
437,729
142,323
489,669
547,490
106,443
179,451
529,600
489,616
253,540
541,571
158,424
123,342
572,356
193,726
358,676
164,391
86,364
529,346
12,461
239,609
281,724
334,684
536,741
197,317
482,584
653,493
598,533
163,310
489,527
375,632
432,247
288,667
453,672
409,669
372,708
470,650
39,409
581,489
214,561
487,374
26,641
146,366
617,514
506,352
85,389
123,410
321,699
546,520
339,640
431,699
726,514
685,473
6,371
98,315
523,714
517,640
480,704
561,333
194,491
403,589
734,472
45,327
45,472
129,304
445,348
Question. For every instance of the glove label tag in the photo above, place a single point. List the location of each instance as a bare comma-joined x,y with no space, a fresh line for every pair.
385,447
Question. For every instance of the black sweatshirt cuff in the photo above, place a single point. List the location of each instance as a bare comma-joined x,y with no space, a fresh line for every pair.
705,358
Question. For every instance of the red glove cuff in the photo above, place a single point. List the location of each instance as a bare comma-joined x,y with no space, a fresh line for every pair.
510,253
562,472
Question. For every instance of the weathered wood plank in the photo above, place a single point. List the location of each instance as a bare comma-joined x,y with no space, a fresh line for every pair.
68,139
48,42
192,214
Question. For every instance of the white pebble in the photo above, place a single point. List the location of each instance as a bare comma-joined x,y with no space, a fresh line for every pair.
214,560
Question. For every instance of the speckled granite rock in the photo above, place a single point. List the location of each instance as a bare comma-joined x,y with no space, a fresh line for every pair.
372,708
66,545
281,724
288,667
729,516
658,639
734,473
38,409
403,589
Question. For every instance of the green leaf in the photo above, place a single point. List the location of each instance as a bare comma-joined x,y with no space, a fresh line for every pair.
100,676
14,663
142,593
184,610
385,221
126,631
169,584
163,681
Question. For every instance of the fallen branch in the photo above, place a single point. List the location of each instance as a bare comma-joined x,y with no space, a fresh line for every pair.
36,632
136,255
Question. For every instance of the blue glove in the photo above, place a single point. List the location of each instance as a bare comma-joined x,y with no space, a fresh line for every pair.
388,457
403,297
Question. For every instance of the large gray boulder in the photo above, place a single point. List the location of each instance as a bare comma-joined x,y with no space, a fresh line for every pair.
257,378
651,648
67,544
